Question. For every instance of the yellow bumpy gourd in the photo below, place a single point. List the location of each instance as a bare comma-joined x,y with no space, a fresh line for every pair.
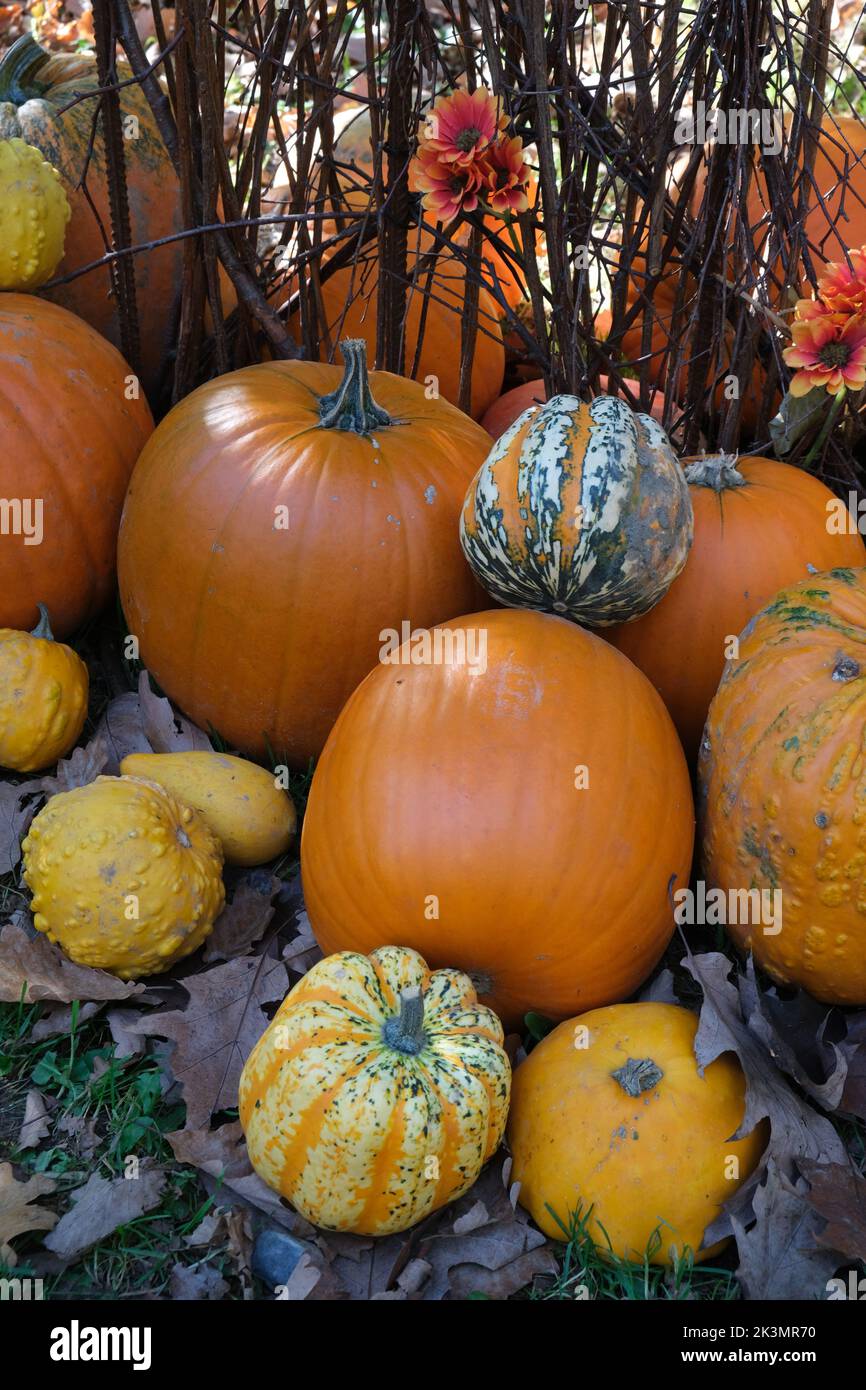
253,818
43,696
34,211
124,877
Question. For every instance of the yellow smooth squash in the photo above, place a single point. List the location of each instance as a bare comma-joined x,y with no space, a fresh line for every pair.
240,801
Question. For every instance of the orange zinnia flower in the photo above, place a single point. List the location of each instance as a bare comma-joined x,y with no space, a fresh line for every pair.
842,287
506,176
829,351
447,188
462,125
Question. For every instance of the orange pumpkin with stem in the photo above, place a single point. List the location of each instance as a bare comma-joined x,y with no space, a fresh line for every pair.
280,520
514,800
759,526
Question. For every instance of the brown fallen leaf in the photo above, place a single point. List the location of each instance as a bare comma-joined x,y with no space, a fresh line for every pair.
18,1210
126,1044
221,1157
245,919
36,1123
103,1204
197,1282
57,1021
122,731
32,969
215,1033
84,766
82,1132
18,805
779,1254
312,1280
838,1194
302,953
166,730
209,1230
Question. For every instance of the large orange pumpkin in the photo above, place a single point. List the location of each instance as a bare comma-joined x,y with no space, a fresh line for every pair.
280,521
349,303
509,795
783,787
759,525
39,102
70,440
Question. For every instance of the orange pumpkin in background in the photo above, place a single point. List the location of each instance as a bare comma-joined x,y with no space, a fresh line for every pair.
519,807
38,102
70,440
281,519
759,526
506,409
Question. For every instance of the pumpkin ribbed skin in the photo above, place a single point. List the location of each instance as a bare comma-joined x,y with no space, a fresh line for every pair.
34,212
43,698
654,1165
63,410
251,817
579,509
98,855
506,409
450,793
440,350
783,787
264,630
759,525
360,1135
38,103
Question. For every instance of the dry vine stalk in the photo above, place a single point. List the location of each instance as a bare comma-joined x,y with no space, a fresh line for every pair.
594,96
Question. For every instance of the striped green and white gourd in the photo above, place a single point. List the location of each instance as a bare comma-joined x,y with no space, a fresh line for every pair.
580,509
377,1093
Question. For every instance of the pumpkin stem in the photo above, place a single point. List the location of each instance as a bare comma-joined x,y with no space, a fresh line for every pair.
351,406
43,627
638,1075
718,471
405,1031
18,71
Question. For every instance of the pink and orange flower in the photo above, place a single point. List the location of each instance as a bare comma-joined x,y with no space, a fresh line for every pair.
465,159
829,349
842,287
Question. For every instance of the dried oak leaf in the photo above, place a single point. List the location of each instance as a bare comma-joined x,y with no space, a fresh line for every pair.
103,1204
216,1031
84,766
58,1020
245,919
18,1212
36,1123
221,1157
838,1195
18,805
197,1282
769,1214
166,730
779,1254
33,969
121,730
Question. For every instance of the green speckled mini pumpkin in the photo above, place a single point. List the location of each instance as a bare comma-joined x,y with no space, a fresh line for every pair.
580,509
377,1092
783,786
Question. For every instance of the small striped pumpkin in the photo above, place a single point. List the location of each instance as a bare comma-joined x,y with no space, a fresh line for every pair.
377,1092
580,509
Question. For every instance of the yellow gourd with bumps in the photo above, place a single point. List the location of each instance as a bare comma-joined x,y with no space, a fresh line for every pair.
43,696
240,801
34,212
124,877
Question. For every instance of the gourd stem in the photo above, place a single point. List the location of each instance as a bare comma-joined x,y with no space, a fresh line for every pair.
405,1031
638,1075
43,627
18,71
351,406
718,471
